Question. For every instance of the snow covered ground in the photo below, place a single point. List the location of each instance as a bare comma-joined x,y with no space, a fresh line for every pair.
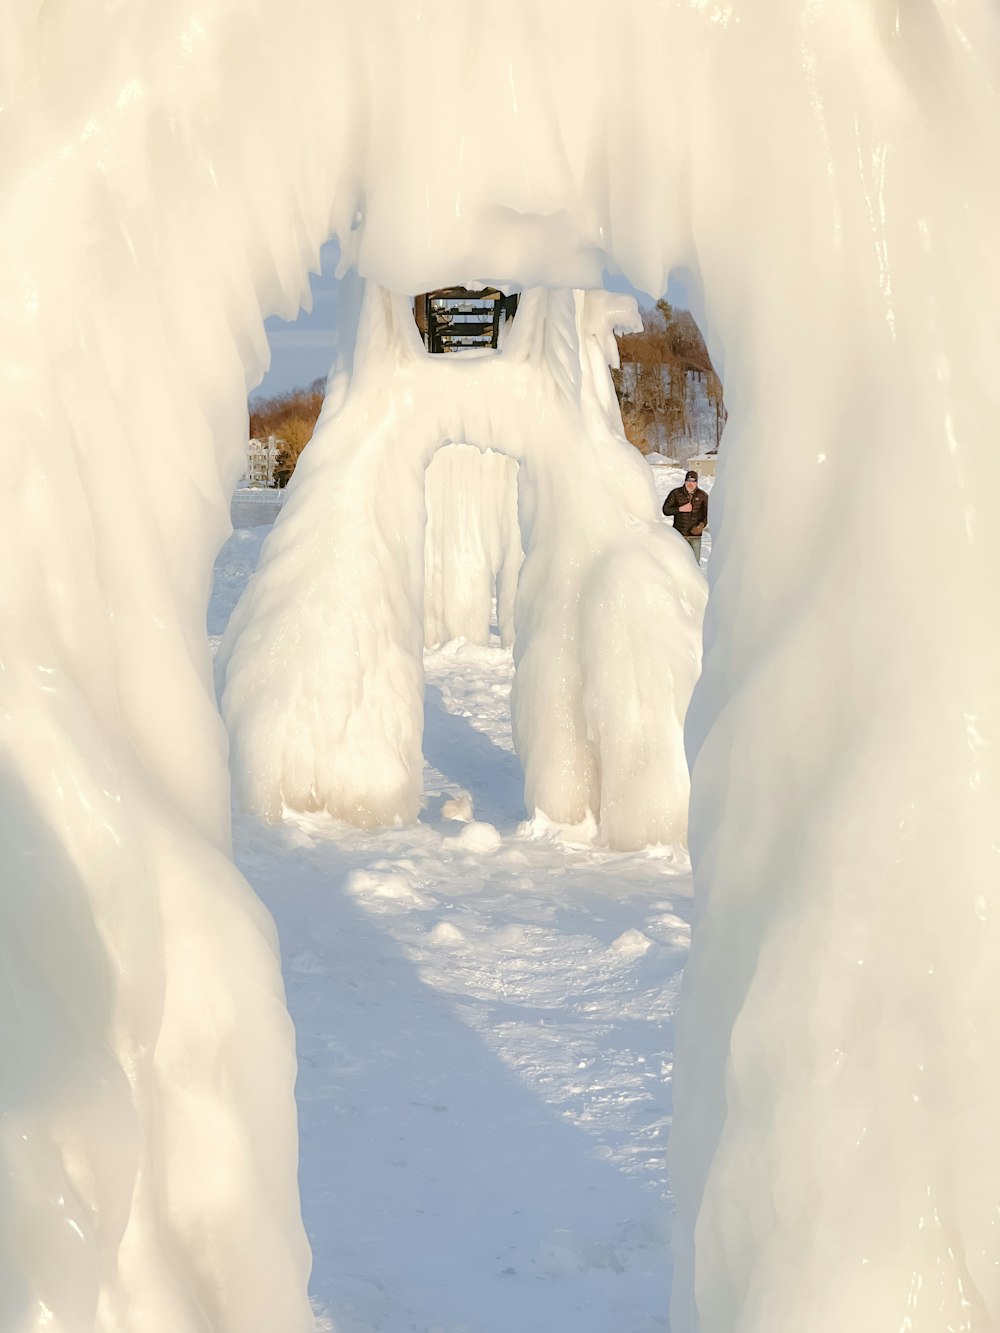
483,1012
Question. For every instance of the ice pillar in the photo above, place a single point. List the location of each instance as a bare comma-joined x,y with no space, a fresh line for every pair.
148,1136
832,1150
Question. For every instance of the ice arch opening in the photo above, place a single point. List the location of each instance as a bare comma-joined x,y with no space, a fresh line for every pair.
472,546
321,668
843,228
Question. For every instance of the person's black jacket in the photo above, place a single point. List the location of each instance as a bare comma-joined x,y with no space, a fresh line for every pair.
688,525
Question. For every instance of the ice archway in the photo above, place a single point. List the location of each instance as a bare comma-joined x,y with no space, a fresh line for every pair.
835,1154
322,664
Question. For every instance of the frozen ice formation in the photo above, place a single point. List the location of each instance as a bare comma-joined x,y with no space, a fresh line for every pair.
322,663
828,175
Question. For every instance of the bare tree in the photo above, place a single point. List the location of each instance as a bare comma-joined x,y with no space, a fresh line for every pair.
291,418
653,381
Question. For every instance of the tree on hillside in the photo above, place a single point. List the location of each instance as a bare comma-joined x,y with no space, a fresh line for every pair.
654,386
291,418
295,436
654,381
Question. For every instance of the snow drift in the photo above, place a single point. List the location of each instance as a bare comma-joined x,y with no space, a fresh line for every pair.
843,228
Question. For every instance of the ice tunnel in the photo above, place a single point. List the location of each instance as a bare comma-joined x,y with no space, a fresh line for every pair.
834,1151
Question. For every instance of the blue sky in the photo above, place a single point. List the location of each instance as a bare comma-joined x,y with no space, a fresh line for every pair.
302,349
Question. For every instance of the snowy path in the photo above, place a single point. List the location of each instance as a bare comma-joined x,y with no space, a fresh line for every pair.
484,1031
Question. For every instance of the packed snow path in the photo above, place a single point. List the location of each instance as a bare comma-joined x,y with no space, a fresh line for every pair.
483,1013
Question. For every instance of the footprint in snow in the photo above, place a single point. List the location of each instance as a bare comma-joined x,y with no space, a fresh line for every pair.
510,937
565,1253
308,963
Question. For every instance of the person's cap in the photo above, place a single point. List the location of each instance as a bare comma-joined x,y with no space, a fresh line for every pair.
690,476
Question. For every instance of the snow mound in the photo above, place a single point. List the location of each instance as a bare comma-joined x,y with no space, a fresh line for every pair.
444,933
632,942
475,837
458,807
581,834
385,884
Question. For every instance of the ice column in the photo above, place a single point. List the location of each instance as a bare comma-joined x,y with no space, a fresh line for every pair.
834,1153
148,1137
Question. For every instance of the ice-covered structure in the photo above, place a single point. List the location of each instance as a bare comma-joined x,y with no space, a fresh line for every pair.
835,1159
322,663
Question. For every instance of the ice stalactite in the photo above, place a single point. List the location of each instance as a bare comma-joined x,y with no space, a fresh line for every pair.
321,667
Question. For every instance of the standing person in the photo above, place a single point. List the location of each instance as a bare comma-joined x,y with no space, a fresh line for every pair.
688,504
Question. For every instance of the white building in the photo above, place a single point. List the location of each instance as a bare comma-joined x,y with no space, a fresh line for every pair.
261,458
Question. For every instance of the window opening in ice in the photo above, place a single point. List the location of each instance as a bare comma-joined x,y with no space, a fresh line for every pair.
459,319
